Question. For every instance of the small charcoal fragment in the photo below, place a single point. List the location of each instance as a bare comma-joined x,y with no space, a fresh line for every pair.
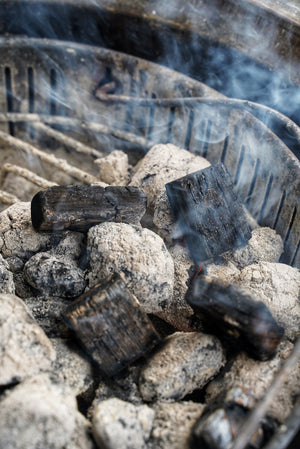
228,309
111,325
78,207
208,212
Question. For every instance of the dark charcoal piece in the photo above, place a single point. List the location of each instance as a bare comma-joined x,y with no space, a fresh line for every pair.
222,420
231,310
78,208
111,325
207,210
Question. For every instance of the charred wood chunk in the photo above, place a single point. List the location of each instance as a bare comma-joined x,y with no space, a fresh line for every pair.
222,420
228,309
77,207
111,325
208,212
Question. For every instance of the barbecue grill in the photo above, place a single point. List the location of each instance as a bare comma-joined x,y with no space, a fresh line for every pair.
76,100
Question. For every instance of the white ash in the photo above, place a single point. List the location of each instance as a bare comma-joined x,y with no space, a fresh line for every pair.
278,286
121,425
71,366
139,254
47,311
17,236
265,245
186,362
173,423
178,313
6,278
41,414
257,376
55,275
124,387
25,350
162,164
114,168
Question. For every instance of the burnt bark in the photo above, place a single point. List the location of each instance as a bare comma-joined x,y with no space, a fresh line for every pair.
111,326
78,207
210,216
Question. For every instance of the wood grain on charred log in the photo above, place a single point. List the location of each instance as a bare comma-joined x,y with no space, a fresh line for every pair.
111,325
78,207
208,212
231,310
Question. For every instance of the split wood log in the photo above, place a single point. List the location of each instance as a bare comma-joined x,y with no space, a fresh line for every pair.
228,309
78,207
208,212
111,325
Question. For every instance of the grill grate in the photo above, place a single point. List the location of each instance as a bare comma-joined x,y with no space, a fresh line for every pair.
55,97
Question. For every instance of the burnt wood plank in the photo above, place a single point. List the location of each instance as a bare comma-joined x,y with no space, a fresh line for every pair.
229,309
206,209
111,325
77,207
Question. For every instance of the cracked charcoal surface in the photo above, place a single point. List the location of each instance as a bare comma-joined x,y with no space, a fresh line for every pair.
17,236
278,286
173,423
162,164
186,362
39,414
25,350
256,376
121,425
55,276
6,278
139,254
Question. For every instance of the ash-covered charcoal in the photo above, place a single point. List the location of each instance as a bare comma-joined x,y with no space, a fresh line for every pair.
124,387
140,255
114,168
6,278
77,207
17,236
164,163
72,366
42,413
47,311
121,425
25,350
186,362
223,418
257,377
173,423
230,310
277,285
178,313
208,212
111,325
54,275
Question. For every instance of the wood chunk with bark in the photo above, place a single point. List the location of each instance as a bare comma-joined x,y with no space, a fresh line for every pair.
111,325
78,207
208,212
230,310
